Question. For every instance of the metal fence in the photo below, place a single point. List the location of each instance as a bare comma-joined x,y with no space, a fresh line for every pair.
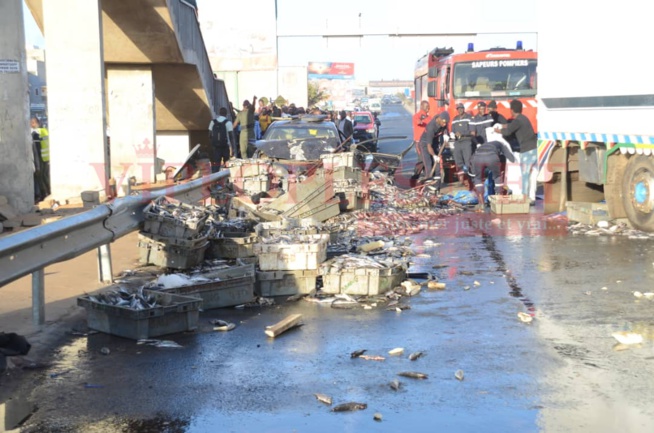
31,250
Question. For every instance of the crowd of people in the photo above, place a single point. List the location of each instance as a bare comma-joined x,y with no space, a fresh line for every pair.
232,131
477,156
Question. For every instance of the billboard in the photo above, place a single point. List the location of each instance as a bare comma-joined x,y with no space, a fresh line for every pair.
330,71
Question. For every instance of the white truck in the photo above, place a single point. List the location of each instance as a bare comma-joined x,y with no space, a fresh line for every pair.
596,107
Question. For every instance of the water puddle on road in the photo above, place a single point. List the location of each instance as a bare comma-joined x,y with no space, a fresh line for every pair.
14,412
516,290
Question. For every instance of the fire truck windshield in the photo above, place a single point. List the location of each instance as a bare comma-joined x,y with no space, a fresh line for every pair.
495,78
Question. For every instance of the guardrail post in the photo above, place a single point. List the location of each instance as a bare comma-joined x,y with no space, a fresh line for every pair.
105,274
38,297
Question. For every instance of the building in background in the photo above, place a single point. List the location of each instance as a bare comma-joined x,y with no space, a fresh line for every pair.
37,85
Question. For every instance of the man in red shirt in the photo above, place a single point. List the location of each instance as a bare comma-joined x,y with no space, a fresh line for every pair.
420,121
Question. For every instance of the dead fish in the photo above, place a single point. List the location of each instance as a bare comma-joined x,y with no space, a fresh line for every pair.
358,353
323,398
413,375
344,303
395,384
415,355
372,357
347,407
295,298
524,317
458,374
377,416
469,273
159,343
105,351
224,327
396,351
423,256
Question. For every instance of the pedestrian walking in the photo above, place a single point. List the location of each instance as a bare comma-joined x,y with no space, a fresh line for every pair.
527,139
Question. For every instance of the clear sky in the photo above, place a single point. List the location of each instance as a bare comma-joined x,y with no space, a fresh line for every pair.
302,27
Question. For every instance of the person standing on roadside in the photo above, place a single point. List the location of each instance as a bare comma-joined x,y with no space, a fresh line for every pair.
461,130
345,125
221,132
41,140
245,119
524,133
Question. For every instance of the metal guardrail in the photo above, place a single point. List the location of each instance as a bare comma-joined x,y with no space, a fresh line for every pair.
31,250
194,51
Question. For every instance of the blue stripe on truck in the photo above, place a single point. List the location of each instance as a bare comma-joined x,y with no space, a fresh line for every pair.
606,138
623,101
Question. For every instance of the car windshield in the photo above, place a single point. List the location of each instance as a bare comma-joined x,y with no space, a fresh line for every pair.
514,77
299,131
362,119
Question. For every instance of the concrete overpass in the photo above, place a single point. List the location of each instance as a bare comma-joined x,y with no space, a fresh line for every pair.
136,70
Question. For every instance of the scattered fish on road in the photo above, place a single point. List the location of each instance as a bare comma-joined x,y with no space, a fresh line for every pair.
395,384
626,337
358,353
377,416
415,355
323,398
221,325
458,374
396,351
160,343
372,357
524,317
348,407
413,374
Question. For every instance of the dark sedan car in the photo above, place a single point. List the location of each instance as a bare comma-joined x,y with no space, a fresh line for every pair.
300,139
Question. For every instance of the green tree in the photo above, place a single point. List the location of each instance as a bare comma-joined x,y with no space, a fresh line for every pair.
315,94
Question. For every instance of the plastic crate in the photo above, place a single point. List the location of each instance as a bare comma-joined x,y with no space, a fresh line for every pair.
339,174
235,287
252,185
587,213
283,283
353,198
169,226
177,313
240,168
363,281
308,253
331,161
164,253
509,204
232,246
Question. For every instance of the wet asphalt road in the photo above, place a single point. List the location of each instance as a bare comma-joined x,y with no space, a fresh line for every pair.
560,373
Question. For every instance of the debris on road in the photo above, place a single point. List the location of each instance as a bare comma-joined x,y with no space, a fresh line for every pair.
525,318
395,384
627,338
358,353
459,375
284,325
105,351
396,352
377,416
221,325
372,357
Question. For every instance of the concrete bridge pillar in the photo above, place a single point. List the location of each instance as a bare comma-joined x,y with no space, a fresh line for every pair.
16,157
76,97
131,106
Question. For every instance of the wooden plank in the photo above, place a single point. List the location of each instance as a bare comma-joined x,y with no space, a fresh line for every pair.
278,328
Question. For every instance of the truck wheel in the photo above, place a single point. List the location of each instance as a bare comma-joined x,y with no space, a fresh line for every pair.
638,192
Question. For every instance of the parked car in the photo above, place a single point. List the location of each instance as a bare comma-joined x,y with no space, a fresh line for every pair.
365,128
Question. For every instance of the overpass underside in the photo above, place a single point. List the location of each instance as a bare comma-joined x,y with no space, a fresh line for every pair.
136,71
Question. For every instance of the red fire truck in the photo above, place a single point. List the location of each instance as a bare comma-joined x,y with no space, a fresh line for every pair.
445,79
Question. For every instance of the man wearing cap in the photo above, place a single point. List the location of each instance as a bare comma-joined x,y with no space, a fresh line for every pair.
480,122
461,129
245,118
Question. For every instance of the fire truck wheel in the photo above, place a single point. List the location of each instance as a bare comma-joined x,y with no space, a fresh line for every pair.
638,192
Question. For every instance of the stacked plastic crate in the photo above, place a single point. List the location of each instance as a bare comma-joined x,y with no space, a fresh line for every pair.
349,181
175,234
250,176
